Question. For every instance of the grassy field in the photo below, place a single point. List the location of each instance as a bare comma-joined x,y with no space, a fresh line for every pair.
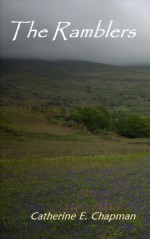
109,184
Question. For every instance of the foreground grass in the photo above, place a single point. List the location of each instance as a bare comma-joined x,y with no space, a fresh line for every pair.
117,184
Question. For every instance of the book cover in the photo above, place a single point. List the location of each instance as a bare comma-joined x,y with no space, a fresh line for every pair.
75,119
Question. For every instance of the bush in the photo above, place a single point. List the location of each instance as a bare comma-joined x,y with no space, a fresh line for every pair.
93,118
132,126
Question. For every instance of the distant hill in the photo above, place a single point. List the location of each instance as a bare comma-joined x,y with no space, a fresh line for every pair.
73,83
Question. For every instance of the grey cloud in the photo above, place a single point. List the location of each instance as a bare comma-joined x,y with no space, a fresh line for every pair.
82,14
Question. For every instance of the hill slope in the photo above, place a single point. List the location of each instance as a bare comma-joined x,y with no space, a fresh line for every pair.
72,83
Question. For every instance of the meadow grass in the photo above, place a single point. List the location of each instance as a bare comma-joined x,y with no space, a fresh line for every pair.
110,184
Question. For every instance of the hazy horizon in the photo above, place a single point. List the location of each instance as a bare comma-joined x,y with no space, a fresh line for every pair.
132,14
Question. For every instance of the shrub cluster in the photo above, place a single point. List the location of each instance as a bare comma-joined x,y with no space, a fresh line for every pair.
132,126
95,119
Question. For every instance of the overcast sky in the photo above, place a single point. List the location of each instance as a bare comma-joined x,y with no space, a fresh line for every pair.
132,14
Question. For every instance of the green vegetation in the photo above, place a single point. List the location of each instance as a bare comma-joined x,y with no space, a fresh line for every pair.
60,151
94,119
133,126
42,85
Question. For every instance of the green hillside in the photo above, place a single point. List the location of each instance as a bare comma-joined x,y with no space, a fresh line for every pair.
51,163
44,84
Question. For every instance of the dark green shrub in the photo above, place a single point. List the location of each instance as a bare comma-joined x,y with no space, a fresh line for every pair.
93,118
132,126
104,111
